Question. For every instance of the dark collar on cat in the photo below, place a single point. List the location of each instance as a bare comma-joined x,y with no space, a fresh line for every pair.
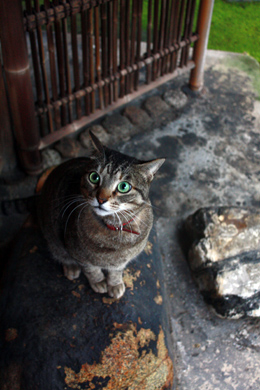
122,228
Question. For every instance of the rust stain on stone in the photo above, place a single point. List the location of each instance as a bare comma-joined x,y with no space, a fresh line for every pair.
158,299
76,294
11,334
11,377
149,248
129,278
109,301
125,366
34,249
240,224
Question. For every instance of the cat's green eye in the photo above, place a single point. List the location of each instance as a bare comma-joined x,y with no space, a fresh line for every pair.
94,177
124,187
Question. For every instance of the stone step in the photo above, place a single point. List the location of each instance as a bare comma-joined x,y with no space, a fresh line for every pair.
59,334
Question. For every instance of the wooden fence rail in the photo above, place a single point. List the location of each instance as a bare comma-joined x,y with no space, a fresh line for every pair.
86,57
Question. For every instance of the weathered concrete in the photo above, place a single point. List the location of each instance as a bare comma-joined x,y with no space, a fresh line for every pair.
58,334
212,160
211,145
119,127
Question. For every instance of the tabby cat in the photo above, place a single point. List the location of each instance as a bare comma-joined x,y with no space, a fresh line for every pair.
96,215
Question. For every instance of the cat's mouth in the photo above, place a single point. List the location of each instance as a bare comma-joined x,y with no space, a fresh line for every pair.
99,210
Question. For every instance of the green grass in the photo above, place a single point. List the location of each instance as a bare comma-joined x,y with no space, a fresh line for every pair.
236,27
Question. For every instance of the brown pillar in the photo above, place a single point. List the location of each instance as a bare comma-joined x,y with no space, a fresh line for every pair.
7,153
200,47
19,85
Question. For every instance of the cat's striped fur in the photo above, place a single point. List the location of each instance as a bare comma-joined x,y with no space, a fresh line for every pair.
96,215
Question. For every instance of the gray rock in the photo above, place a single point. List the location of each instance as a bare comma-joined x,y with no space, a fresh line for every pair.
175,98
224,258
99,131
155,106
68,147
137,116
50,157
119,127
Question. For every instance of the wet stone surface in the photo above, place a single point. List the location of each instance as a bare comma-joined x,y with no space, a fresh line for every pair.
119,127
213,161
212,164
50,158
59,334
68,147
225,259
138,116
155,106
175,98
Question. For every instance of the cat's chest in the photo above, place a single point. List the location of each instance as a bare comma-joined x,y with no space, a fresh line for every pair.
91,240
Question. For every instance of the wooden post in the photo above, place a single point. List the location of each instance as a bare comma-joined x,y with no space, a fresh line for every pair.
19,85
200,47
7,153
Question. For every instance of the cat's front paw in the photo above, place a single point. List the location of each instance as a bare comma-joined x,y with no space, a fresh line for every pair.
71,271
116,291
100,287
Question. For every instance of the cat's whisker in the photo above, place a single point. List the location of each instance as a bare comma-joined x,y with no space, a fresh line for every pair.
130,228
151,205
67,205
144,223
66,197
135,216
75,208
65,202
120,225
83,208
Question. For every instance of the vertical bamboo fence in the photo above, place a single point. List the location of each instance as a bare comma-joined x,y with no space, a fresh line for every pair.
83,58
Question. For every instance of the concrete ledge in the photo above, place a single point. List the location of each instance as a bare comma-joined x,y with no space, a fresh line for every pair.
58,334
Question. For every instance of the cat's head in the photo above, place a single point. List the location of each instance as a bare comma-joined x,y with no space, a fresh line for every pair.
114,182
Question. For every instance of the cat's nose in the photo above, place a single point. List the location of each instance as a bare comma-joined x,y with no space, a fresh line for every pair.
101,200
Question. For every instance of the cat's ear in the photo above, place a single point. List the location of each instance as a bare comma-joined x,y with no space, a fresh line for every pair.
96,143
149,169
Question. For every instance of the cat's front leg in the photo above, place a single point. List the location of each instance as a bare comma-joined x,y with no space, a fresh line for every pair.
115,284
71,271
96,278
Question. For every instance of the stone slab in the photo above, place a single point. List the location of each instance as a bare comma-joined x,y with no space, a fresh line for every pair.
175,98
155,106
99,131
68,147
119,127
138,116
224,258
50,157
59,334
